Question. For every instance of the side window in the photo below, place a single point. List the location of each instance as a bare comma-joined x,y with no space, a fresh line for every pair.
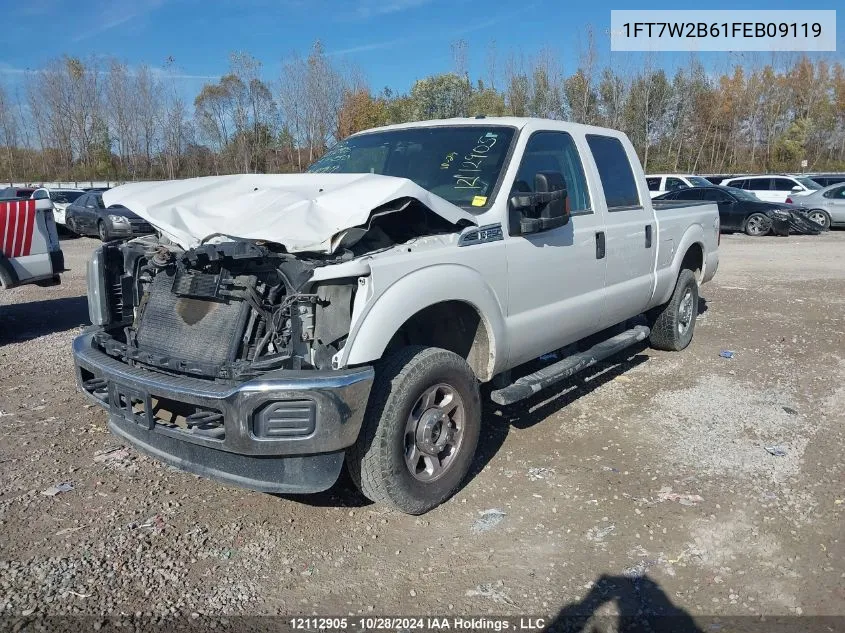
758,184
839,193
783,184
688,194
41,194
653,183
82,200
673,184
715,195
555,151
615,173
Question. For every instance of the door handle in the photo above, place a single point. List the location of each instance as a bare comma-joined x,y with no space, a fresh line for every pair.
600,245
648,235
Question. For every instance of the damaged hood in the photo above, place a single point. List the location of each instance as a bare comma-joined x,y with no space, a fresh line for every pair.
302,212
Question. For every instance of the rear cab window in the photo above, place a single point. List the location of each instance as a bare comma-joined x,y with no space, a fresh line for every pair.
615,173
653,183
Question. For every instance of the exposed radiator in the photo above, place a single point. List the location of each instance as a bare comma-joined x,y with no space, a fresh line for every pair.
202,330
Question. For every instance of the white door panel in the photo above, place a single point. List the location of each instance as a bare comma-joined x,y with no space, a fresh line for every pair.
556,287
555,280
630,264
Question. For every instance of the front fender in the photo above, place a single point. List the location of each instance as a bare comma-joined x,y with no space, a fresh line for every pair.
387,312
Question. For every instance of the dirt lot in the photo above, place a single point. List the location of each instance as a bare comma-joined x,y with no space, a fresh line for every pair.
645,484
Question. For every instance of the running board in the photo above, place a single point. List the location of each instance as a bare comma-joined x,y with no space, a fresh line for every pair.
547,376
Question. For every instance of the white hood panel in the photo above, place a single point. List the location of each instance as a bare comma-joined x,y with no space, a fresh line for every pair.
303,212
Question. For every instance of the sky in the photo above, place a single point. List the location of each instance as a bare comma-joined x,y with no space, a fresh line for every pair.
394,42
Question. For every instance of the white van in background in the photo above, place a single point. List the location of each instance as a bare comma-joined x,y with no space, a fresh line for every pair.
661,183
773,187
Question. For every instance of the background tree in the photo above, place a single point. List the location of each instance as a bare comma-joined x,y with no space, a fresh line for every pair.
92,118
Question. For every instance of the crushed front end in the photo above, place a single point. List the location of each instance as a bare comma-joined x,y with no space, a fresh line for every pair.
218,360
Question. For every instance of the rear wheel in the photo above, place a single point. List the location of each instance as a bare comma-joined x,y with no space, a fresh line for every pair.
420,430
757,224
821,217
674,323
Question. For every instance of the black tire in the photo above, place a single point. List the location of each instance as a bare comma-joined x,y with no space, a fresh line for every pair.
757,225
103,231
820,217
673,323
377,461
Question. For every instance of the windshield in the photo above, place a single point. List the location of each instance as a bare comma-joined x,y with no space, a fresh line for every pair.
458,163
809,183
64,197
742,194
698,181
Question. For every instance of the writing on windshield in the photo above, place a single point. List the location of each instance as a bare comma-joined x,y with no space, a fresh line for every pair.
459,163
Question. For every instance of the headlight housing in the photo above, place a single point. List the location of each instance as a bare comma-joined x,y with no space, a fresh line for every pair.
119,220
98,301
780,213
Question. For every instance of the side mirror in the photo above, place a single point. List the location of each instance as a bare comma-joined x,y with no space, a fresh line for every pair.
796,189
546,208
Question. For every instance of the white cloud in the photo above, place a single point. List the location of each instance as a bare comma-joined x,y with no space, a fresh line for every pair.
112,14
370,8
366,47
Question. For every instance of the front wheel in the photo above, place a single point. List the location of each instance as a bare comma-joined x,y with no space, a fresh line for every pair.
674,323
102,231
821,217
757,224
420,430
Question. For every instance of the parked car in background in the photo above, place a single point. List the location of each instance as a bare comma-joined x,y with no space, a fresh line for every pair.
825,206
87,215
11,193
740,210
774,188
61,198
825,180
661,183
29,244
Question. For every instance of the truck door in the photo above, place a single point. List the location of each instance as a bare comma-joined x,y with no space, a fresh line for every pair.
631,232
555,277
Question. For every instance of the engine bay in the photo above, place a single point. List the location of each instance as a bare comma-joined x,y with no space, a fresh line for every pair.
226,311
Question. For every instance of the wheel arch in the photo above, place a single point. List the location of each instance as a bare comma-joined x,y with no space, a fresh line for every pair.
691,253
462,315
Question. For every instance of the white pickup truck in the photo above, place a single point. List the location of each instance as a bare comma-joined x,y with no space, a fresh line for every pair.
281,324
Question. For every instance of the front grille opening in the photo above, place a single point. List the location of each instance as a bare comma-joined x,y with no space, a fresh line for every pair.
179,417
97,387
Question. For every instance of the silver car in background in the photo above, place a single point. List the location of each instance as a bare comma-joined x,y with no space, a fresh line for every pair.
825,206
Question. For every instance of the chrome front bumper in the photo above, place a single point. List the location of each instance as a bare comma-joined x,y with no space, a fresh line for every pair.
283,432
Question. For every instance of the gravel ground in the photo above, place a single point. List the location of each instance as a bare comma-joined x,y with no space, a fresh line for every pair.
647,479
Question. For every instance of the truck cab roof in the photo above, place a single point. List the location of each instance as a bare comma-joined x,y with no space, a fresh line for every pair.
511,121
